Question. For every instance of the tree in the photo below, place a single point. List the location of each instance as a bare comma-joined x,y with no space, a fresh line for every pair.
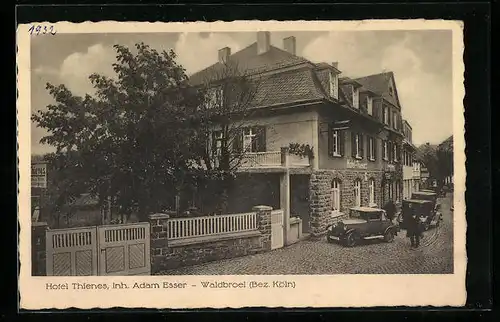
131,142
228,102
427,154
444,156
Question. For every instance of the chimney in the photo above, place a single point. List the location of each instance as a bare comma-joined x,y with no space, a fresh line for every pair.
335,64
289,44
224,54
263,41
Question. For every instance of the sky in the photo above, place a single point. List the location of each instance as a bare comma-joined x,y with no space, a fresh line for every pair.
421,62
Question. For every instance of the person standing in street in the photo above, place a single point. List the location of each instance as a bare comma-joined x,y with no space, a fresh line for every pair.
413,230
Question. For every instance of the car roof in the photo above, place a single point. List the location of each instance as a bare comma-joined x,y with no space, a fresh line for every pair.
417,201
366,209
424,193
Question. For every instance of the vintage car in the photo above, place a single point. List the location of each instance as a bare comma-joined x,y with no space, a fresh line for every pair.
363,223
423,209
425,195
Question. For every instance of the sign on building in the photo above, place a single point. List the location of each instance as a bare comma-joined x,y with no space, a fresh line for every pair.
39,175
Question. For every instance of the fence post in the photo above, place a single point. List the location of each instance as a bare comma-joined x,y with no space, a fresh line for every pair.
38,250
159,240
264,225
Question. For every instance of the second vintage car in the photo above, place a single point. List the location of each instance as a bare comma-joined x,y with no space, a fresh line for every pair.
363,223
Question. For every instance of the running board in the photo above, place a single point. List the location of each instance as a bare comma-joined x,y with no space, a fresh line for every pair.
373,237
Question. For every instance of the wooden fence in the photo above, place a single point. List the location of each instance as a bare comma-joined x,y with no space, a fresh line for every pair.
180,228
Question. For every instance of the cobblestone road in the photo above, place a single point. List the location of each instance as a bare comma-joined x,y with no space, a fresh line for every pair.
435,256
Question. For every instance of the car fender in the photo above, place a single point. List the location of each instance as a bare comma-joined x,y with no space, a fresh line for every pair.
392,227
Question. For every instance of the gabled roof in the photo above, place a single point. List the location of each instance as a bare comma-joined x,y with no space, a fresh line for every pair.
247,61
380,84
298,83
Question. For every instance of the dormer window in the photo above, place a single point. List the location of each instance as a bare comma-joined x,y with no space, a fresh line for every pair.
391,91
369,105
334,85
355,97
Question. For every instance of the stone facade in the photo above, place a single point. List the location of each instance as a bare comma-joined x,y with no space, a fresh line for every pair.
320,206
169,255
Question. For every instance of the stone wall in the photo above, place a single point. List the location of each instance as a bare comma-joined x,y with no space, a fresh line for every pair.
320,206
167,254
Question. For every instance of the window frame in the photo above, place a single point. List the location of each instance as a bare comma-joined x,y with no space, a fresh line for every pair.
371,148
335,194
357,143
385,148
369,105
371,191
336,143
355,97
357,193
334,84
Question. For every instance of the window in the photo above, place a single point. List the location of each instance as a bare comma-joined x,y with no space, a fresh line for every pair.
336,195
334,85
371,149
355,97
395,120
335,142
248,140
395,152
385,113
357,145
357,193
369,105
398,190
252,139
371,191
385,151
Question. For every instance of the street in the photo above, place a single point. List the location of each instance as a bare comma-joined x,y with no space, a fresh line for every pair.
435,256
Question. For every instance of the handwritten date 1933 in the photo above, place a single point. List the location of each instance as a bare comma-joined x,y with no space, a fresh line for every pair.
41,30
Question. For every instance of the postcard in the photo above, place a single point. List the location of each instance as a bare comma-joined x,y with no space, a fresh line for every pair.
241,164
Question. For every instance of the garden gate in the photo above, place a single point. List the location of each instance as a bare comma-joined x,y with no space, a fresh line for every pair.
277,229
121,249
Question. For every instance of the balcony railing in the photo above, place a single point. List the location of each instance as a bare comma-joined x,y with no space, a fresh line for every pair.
273,159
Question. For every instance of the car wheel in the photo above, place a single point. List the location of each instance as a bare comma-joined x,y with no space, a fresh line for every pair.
351,240
389,236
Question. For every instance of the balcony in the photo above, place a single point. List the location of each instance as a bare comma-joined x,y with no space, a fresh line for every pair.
278,160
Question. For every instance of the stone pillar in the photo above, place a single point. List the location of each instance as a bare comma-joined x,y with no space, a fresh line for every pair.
320,202
264,225
159,240
38,251
285,203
